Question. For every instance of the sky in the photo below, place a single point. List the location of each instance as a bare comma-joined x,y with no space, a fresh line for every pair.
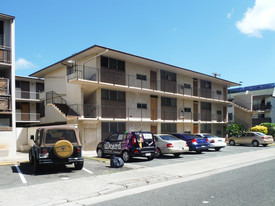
235,38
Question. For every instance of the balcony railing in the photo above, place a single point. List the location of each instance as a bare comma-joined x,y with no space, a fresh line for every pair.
131,81
27,117
136,114
5,55
261,107
27,95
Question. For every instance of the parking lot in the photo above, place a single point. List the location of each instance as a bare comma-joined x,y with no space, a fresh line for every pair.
23,174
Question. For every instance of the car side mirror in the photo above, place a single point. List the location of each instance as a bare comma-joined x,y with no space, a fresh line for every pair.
32,137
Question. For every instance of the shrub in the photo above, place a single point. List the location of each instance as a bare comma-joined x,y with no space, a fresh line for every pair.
259,128
270,127
234,129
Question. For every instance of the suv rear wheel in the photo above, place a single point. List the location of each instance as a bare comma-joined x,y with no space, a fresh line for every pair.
126,156
78,165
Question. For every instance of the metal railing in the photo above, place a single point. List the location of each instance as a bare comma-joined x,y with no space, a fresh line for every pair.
120,78
27,95
136,114
261,107
54,98
5,54
27,117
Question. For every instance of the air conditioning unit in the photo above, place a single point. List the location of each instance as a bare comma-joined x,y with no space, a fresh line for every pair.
4,104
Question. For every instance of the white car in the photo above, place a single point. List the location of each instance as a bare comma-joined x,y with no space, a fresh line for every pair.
215,142
169,144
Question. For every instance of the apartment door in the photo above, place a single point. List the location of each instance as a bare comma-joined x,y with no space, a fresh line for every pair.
153,80
195,111
225,94
195,128
154,107
195,87
90,139
25,90
224,113
154,129
25,111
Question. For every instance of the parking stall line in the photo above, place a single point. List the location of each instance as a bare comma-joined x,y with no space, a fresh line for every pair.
23,179
90,172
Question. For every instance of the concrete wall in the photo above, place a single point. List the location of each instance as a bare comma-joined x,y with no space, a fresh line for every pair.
244,100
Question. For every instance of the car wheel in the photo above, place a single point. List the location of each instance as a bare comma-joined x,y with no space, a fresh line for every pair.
30,157
100,153
232,142
217,148
264,145
36,166
255,143
159,153
78,165
151,157
177,155
125,156
198,151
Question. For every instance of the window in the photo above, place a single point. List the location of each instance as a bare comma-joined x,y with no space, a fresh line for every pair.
168,128
219,112
17,84
219,92
205,84
18,105
110,127
112,63
187,86
168,102
5,120
141,106
187,109
170,76
230,116
112,95
1,33
141,77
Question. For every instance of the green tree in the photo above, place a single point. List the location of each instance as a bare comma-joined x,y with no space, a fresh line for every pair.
234,129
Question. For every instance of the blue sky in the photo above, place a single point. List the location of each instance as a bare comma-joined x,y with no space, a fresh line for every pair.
233,38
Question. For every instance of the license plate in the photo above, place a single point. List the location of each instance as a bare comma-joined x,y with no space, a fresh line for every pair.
147,154
203,146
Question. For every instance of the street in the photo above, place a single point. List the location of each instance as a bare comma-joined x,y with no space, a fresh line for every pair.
248,186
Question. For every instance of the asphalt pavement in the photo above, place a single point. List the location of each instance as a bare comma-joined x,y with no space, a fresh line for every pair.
92,189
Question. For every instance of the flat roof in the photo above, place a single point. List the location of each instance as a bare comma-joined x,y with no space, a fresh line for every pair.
251,88
96,49
5,16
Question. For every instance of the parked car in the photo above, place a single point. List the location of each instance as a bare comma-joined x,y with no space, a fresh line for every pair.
215,142
128,145
169,144
56,145
194,143
251,138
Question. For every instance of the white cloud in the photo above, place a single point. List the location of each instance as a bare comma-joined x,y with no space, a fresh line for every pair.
230,14
259,18
22,63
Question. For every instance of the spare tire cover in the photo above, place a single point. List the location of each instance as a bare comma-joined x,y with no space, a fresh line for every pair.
63,149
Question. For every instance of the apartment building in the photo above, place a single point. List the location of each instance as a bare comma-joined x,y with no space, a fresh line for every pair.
263,101
103,90
7,87
27,97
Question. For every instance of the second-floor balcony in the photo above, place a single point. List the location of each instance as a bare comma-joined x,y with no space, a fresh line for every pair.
103,75
5,54
262,106
27,95
100,112
27,117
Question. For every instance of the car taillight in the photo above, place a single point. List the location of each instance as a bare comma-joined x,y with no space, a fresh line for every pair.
78,150
135,151
134,141
212,141
186,145
44,151
194,141
170,145
207,139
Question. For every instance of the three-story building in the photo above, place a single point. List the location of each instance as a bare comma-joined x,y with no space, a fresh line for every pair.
103,90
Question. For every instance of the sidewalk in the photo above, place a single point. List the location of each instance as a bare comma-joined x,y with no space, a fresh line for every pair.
84,191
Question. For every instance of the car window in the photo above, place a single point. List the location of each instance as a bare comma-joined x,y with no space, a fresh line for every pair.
243,135
120,137
113,137
53,136
168,137
250,134
148,136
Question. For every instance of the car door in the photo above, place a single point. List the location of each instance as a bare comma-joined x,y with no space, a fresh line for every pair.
250,137
109,144
240,139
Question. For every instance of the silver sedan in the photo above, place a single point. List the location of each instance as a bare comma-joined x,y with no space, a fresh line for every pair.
169,144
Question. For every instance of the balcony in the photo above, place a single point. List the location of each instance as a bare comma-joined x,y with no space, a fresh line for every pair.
5,55
95,75
262,107
27,117
99,112
26,95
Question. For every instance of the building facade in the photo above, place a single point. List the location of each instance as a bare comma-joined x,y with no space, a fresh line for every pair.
7,87
263,101
27,97
104,90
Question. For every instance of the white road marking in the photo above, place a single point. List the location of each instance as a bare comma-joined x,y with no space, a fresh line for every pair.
23,179
205,202
90,172
65,178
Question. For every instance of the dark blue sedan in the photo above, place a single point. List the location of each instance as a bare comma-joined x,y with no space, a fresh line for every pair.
194,143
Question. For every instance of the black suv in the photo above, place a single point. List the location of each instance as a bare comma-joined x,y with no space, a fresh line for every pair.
56,145
128,145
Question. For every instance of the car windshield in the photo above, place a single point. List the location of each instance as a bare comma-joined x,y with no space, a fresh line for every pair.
259,133
52,136
168,137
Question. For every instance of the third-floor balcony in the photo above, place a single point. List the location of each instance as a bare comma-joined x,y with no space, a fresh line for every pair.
5,55
118,78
